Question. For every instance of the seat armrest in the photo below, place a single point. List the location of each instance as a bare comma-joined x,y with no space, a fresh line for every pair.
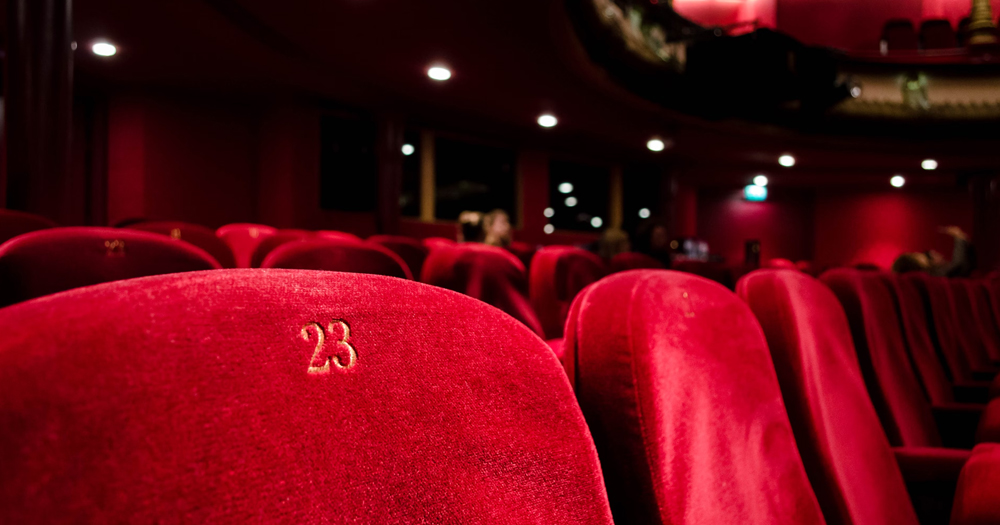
979,488
924,464
958,422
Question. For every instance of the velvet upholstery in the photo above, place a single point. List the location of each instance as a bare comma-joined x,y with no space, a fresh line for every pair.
490,274
268,245
523,251
412,251
968,332
211,398
781,264
437,242
336,235
57,259
199,236
936,298
633,261
685,410
243,239
14,223
337,255
845,452
978,494
558,273
982,319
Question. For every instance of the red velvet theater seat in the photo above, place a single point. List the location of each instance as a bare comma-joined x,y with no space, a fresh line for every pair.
14,223
781,264
633,261
437,242
199,236
412,251
57,259
243,238
674,378
525,252
846,454
978,494
969,335
268,245
337,235
980,318
337,255
247,396
558,273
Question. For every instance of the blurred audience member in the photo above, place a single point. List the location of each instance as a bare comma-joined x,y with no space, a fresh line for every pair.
653,239
963,258
496,229
470,226
613,241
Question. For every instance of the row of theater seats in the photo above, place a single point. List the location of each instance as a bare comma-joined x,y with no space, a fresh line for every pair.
296,395
900,35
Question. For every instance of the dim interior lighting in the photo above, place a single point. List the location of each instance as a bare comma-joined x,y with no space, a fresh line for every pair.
570,201
408,149
549,212
566,187
596,222
655,145
760,180
439,73
929,164
786,160
548,229
644,213
897,181
855,91
755,193
103,49
547,121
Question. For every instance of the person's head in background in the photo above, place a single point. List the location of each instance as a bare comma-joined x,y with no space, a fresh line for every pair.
496,228
652,237
613,241
470,226
911,262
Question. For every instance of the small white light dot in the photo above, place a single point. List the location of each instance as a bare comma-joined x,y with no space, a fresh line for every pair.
855,91
547,120
897,181
655,145
786,160
549,212
596,222
644,213
408,149
929,164
439,73
760,180
548,229
103,49
570,201
566,187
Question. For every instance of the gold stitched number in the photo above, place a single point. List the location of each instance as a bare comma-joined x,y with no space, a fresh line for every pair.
339,331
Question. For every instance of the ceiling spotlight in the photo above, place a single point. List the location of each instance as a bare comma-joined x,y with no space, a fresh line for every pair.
596,222
897,181
644,213
855,91
549,212
786,160
547,120
548,229
655,145
566,187
439,73
103,49
408,149
929,164
570,201
755,193
760,180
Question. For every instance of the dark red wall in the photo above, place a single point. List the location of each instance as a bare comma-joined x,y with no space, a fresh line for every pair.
783,224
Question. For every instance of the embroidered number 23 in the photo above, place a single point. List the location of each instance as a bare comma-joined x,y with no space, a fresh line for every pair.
332,347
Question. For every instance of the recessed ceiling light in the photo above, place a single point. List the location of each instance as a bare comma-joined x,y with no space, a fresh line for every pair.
929,164
655,145
103,49
566,187
760,180
596,222
439,73
570,201
786,160
549,212
547,120
644,213
548,229
897,181
408,149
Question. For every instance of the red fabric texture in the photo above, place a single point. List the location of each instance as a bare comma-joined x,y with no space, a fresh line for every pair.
845,452
633,261
967,330
208,397
199,236
922,464
982,318
437,242
14,223
989,424
685,411
49,261
523,251
243,239
337,255
979,488
268,245
934,292
337,235
781,264
490,274
558,273
893,387
412,251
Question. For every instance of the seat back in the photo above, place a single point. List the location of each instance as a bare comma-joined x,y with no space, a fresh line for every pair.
685,411
14,223
268,245
966,330
937,34
633,261
243,239
934,292
195,234
412,251
437,242
845,452
558,273
982,317
285,396
899,35
979,488
49,261
487,273
337,255
892,385
780,264
337,235
523,251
